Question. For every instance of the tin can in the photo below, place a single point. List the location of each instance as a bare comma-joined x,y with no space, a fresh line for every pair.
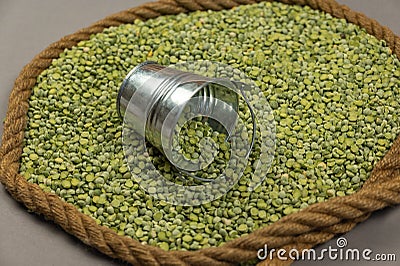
153,99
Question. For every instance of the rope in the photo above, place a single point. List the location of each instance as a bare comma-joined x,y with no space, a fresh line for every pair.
312,226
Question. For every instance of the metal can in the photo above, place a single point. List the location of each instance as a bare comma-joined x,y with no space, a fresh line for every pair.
154,98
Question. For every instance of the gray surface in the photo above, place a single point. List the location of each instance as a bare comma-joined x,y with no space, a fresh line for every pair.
26,28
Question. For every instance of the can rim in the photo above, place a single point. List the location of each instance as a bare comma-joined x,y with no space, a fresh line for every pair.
216,81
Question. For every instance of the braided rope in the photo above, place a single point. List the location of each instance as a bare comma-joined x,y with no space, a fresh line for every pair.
314,225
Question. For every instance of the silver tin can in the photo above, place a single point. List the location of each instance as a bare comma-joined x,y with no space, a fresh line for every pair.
154,97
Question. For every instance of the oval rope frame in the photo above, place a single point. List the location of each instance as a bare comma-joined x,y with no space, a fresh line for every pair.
311,226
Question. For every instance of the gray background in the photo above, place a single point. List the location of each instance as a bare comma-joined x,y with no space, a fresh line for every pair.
26,28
